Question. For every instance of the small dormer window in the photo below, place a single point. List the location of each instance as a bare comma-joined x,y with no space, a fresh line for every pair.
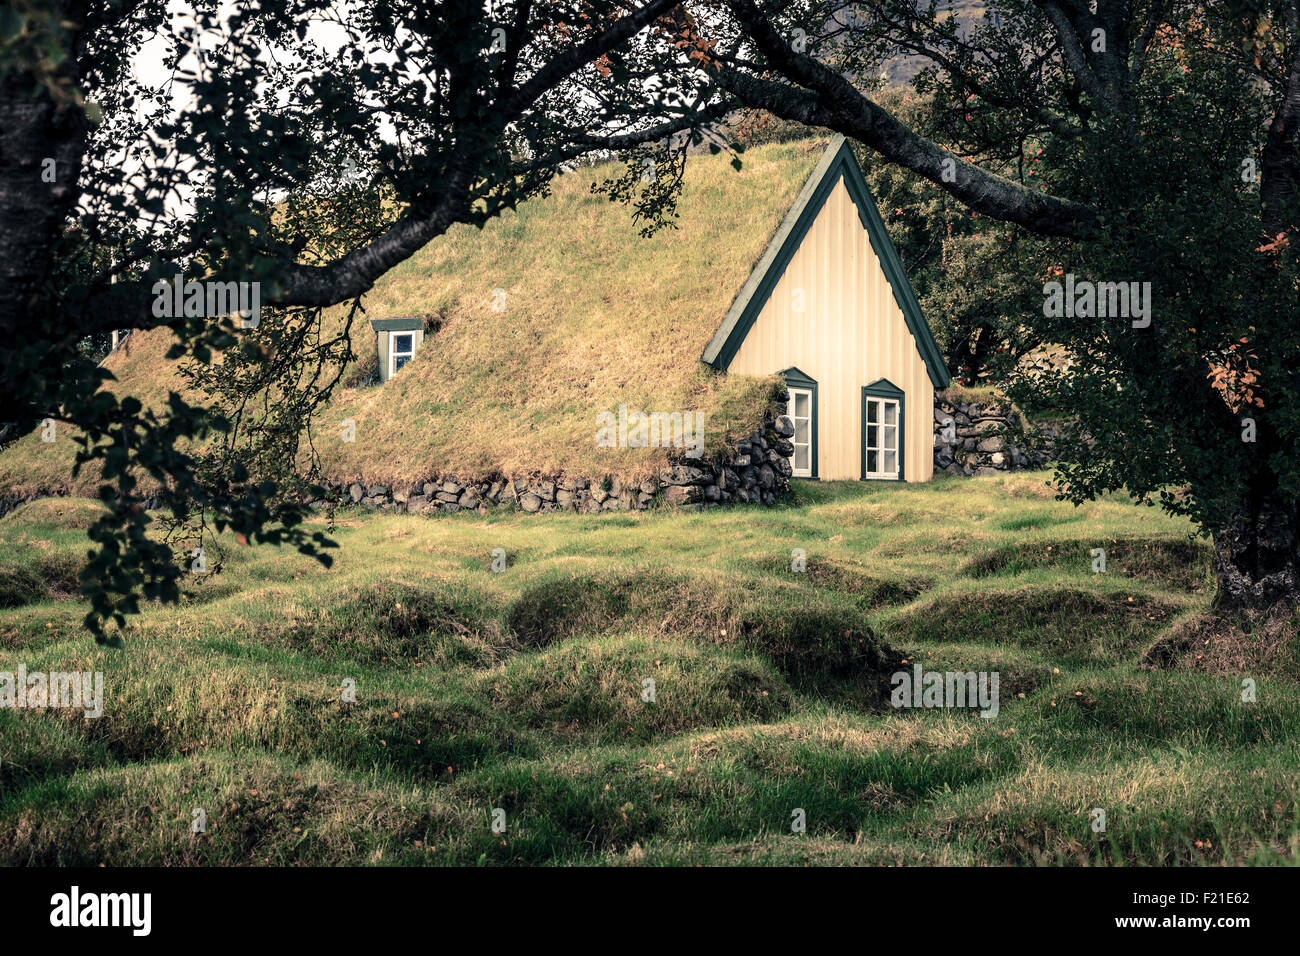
396,341
401,351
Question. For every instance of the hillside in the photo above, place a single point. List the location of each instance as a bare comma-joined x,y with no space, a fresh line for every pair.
595,316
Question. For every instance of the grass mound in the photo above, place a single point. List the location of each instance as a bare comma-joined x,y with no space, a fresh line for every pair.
1184,711
393,623
43,549
1165,810
415,722
37,749
869,591
1182,564
726,786
1019,671
45,577
596,691
259,809
36,625
58,512
1072,624
19,586
829,639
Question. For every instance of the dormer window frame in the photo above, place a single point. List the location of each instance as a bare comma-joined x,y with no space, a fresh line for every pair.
884,431
394,329
801,384
394,355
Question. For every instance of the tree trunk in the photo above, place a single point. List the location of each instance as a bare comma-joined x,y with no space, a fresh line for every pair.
41,146
1256,564
972,351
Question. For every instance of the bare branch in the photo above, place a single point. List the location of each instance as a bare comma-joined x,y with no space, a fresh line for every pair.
1066,25
1154,17
831,101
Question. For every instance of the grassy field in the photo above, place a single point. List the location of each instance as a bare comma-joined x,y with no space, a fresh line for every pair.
522,690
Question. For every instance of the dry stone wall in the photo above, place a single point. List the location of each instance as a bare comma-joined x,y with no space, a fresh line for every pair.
755,471
970,438
986,438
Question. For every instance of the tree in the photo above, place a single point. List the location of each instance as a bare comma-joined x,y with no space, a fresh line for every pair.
272,166
1166,140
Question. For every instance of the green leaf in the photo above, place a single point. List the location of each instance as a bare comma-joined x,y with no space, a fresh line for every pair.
11,23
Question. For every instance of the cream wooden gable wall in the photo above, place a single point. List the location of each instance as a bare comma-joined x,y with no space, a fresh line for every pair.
850,333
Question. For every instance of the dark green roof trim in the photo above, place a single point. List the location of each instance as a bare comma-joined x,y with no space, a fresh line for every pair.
882,388
836,162
397,325
797,376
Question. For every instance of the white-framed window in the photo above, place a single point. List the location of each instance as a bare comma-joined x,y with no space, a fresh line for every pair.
882,437
801,413
401,349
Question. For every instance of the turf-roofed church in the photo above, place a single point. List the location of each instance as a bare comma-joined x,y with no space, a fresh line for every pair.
830,308
827,307
494,354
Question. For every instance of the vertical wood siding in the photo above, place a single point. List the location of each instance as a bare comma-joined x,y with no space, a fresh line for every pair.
850,334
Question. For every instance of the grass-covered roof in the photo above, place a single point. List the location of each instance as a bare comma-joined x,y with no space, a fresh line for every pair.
595,316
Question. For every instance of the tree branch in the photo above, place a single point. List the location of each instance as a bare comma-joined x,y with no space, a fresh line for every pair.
572,60
1279,166
831,101
1154,17
1067,26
